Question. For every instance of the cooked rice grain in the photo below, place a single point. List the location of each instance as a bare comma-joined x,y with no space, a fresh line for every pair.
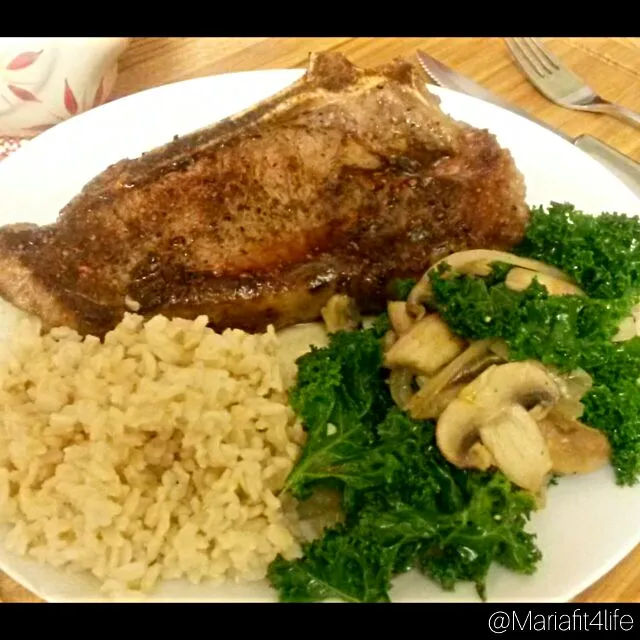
157,454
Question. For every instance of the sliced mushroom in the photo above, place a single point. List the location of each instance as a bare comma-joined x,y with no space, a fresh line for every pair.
573,387
416,311
457,436
576,384
477,366
500,348
341,314
574,447
480,268
569,408
399,316
470,436
388,340
518,447
478,262
626,330
629,327
432,410
499,410
401,386
526,383
519,279
426,347
422,379
480,457
422,405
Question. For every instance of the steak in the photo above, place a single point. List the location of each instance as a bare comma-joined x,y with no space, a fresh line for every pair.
341,183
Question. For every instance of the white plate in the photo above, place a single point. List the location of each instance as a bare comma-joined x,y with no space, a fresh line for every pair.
589,524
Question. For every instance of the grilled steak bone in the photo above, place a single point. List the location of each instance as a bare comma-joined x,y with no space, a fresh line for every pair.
342,182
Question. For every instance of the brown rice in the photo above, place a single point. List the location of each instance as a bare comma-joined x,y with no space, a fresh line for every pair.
155,455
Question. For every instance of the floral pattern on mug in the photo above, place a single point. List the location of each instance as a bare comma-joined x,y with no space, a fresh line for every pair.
44,81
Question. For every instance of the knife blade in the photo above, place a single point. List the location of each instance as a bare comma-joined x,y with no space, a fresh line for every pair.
625,168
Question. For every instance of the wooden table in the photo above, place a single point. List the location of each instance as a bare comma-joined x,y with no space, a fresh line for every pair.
612,66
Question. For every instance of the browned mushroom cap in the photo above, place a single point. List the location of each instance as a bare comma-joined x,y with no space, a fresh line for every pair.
574,447
497,412
478,262
526,383
426,347
470,437
573,387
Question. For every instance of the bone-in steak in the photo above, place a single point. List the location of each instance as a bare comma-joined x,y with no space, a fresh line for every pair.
342,182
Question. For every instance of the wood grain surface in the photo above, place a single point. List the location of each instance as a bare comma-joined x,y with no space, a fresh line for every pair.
610,65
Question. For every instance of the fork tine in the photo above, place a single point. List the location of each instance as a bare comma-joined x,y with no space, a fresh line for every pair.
559,83
522,57
547,53
540,55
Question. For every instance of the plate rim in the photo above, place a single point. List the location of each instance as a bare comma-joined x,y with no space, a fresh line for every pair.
64,127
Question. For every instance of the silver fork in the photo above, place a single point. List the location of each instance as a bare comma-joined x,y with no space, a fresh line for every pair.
559,84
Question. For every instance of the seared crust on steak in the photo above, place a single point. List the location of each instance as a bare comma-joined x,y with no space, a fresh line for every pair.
342,182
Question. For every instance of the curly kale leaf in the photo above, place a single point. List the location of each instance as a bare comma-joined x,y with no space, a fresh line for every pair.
563,331
426,514
602,253
401,288
340,395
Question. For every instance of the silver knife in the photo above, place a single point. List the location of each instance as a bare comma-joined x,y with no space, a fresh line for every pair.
625,168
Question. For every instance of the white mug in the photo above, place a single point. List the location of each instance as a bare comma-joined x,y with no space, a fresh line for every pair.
44,81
